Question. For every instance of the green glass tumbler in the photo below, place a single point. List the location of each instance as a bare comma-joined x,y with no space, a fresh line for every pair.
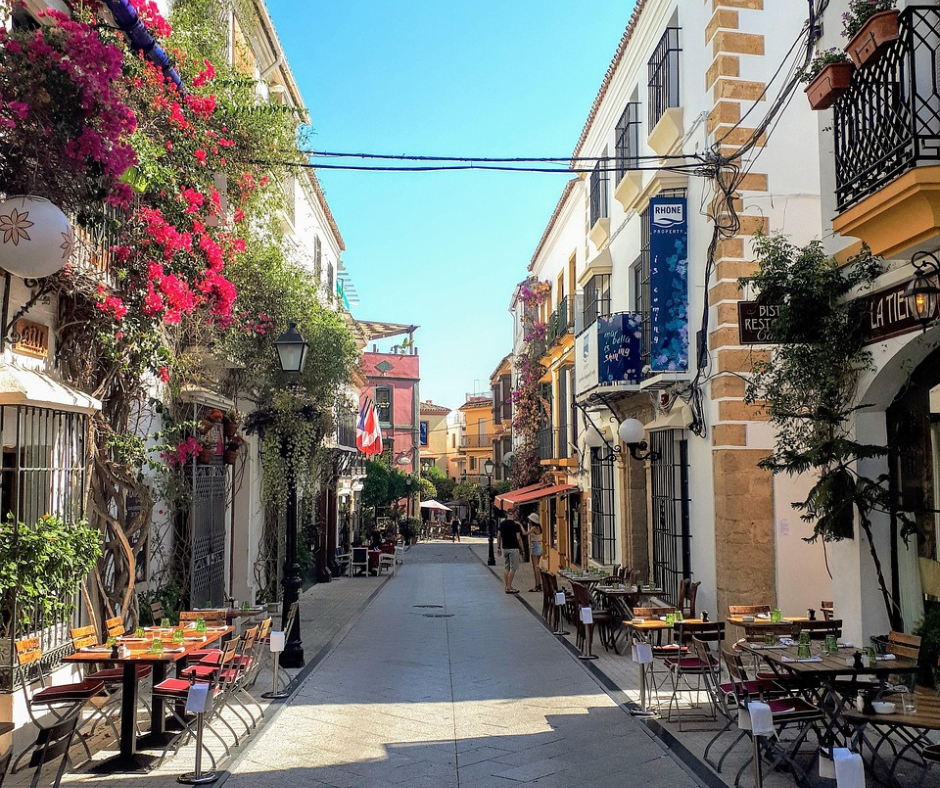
804,637
670,619
139,632
201,626
770,638
156,646
776,615
245,607
832,645
178,636
802,651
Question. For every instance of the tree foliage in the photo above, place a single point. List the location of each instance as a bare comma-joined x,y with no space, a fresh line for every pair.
809,386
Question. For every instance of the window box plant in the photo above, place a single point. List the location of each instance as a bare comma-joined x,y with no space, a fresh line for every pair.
829,75
207,448
230,455
870,26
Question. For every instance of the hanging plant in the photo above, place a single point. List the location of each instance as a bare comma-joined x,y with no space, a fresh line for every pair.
809,387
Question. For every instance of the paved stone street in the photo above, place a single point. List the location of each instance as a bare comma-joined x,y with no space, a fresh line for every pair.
444,681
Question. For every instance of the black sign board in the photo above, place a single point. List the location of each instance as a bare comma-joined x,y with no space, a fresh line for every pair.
888,314
755,322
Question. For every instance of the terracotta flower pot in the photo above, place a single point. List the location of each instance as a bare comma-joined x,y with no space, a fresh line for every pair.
231,429
876,34
829,84
230,456
206,455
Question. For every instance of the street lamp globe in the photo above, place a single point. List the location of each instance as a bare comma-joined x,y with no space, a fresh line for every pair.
488,467
291,349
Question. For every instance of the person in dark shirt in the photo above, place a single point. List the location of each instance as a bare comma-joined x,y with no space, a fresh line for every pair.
510,545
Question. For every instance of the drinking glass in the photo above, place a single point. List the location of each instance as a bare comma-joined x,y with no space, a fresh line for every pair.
802,651
770,638
776,615
178,636
139,632
201,626
164,623
832,645
245,607
679,616
870,653
804,637
156,646
908,702
670,619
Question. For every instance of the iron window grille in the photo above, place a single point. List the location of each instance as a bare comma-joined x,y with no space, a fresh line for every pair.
889,120
42,472
669,496
329,282
603,525
546,443
628,140
596,298
383,405
317,259
346,428
664,76
599,179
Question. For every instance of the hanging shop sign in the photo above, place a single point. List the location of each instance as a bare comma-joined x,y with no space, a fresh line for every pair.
585,359
756,322
619,348
669,287
888,314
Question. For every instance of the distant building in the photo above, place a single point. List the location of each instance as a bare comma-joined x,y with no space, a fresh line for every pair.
432,435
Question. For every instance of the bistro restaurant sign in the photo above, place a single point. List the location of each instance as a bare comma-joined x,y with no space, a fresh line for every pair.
756,322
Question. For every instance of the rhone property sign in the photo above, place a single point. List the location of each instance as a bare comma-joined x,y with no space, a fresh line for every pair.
669,284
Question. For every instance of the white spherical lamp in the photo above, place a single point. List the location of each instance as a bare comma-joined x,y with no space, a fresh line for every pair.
631,431
592,438
36,239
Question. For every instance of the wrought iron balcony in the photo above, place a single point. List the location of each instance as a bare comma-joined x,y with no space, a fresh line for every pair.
484,441
888,122
546,444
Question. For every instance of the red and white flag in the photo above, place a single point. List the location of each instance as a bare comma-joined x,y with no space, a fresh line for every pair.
368,431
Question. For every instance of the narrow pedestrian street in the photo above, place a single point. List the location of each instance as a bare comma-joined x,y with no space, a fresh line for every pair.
446,681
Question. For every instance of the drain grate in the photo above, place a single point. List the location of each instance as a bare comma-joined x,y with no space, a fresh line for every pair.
427,606
438,615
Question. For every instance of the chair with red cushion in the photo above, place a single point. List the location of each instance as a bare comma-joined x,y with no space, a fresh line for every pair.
175,692
683,666
62,701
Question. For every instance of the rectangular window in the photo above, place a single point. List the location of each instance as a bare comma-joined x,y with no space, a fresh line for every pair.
628,140
603,526
599,191
473,463
669,496
664,76
383,405
561,440
424,433
596,298
317,259
329,282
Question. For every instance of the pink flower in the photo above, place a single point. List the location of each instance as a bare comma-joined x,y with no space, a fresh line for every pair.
200,155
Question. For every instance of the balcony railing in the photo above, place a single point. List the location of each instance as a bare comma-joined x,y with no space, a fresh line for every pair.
664,76
560,323
888,121
483,441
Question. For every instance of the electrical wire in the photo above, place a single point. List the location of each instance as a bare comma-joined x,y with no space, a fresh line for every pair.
679,168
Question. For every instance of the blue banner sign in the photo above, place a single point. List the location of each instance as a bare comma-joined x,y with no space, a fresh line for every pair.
619,348
424,433
669,285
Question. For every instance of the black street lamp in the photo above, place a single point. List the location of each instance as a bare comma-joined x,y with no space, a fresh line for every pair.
488,470
291,353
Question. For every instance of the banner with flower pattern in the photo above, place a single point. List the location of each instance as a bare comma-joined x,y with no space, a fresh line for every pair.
619,348
669,288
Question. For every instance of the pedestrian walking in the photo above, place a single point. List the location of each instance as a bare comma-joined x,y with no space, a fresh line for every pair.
455,530
510,546
534,532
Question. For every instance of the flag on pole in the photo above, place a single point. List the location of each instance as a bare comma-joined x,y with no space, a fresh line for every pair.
368,431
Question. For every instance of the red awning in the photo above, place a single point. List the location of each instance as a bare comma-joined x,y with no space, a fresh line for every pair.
498,501
523,495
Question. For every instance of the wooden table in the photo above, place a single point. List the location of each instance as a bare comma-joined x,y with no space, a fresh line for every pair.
761,625
817,678
129,760
620,603
652,625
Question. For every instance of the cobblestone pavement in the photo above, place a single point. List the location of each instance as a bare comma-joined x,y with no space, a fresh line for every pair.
447,681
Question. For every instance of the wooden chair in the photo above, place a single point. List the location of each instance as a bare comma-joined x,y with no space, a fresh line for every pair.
115,626
51,743
360,561
214,617
903,645
826,610
157,612
748,610
386,561
683,666
585,632
63,701
818,630
687,593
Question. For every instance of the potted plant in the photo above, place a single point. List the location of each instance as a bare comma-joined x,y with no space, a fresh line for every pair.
230,455
231,422
829,75
207,447
870,25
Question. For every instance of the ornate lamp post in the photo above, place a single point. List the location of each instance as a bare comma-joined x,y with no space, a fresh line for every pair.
488,470
291,353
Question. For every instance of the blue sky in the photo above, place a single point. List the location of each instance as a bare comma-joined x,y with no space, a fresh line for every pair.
445,250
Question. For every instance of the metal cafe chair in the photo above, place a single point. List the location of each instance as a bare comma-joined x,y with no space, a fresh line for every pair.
51,743
682,667
61,700
360,560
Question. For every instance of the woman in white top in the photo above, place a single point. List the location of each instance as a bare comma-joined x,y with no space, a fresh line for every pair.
534,532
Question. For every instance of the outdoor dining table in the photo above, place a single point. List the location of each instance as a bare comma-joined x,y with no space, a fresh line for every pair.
816,675
584,579
761,624
232,613
129,759
619,602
